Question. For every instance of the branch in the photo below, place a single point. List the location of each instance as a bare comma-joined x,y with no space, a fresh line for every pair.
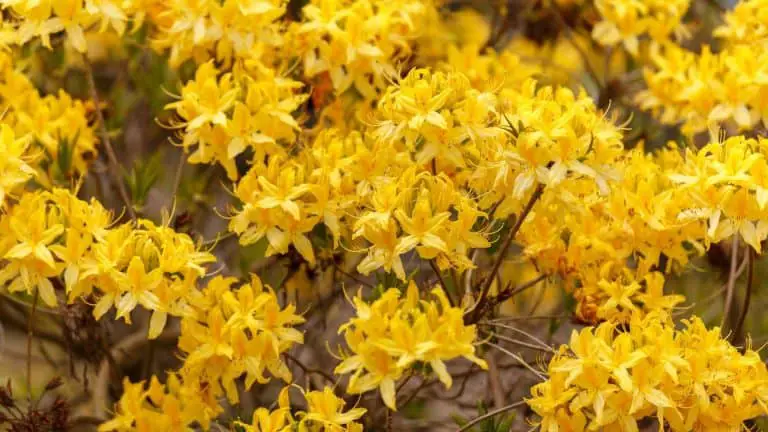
308,370
731,284
115,166
491,414
118,355
737,332
504,249
30,337
494,380
442,281
519,359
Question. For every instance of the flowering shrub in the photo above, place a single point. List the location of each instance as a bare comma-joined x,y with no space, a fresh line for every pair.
360,187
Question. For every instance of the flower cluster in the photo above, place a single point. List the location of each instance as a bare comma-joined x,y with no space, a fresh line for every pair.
42,19
357,44
713,88
377,188
616,295
393,334
226,114
724,183
377,138
55,242
234,332
61,139
325,412
626,21
746,23
639,221
222,30
691,379
15,170
161,407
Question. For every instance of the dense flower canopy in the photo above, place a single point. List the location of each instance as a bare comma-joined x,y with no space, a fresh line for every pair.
392,155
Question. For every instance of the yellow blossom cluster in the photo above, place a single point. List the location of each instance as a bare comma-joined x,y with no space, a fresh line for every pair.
706,89
54,241
746,23
45,18
638,221
402,134
222,30
15,170
724,184
626,21
234,332
159,407
324,412
610,377
55,244
617,294
357,44
224,114
393,334
61,141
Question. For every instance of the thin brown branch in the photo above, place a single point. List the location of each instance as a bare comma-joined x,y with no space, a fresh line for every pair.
117,356
490,414
731,287
307,370
353,277
439,275
30,337
508,294
494,380
572,40
422,385
737,332
542,344
479,305
523,344
520,359
115,168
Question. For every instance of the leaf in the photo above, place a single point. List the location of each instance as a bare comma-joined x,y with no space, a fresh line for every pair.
414,409
143,176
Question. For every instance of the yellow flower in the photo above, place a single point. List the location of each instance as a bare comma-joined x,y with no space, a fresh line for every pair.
14,168
392,334
687,379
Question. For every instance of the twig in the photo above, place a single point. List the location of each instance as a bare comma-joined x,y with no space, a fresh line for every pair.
526,318
507,294
519,359
442,281
308,370
353,277
737,332
541,343
118,354
30,336
494,380
505,248
490,414
116,168
460,390
422,385
716,4
714,295
579,49
731,283
523,344
179,173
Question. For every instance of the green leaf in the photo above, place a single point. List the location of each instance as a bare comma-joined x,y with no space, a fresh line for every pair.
414,409
143,176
